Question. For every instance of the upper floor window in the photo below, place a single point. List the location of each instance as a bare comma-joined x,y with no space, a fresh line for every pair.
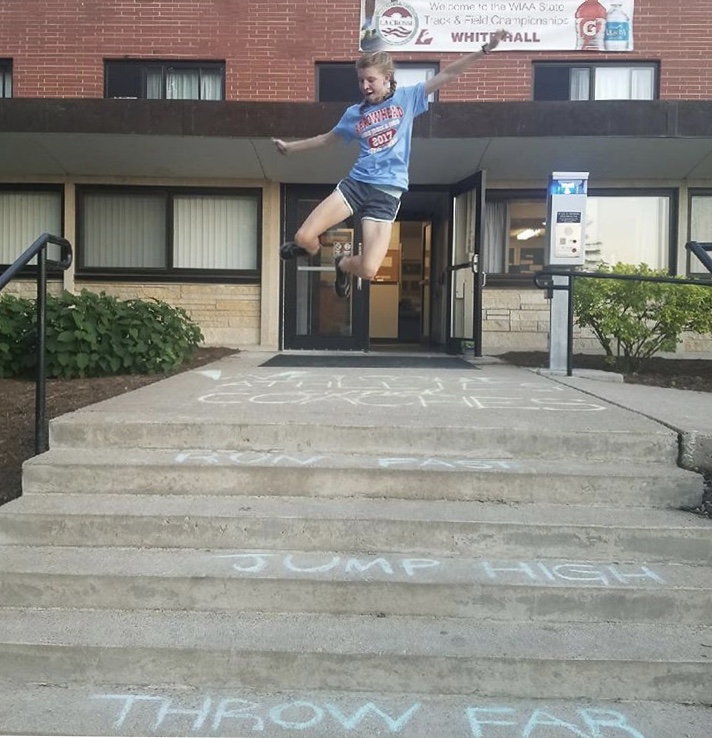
339,82
165,80
604,81
5,78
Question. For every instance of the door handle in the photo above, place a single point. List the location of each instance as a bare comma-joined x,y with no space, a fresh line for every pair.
357,250
475,266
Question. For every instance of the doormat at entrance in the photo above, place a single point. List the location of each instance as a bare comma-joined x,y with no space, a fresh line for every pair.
361,361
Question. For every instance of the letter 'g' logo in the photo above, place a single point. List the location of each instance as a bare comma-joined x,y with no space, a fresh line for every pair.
590,27
397,23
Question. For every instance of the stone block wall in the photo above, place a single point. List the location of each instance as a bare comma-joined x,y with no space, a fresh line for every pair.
518,320
514,320
228,314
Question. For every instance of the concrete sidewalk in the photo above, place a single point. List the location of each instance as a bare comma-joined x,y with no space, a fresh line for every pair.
484,393
686,412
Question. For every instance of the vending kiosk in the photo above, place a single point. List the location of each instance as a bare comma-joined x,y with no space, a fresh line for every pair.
566,236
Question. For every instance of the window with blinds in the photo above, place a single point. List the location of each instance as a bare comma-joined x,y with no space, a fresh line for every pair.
155,80
123,231
169,231
595,81
214,232
25,214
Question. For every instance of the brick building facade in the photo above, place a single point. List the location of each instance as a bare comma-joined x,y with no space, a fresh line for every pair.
61,138
270,47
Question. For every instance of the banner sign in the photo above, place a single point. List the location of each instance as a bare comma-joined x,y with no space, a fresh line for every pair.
464,25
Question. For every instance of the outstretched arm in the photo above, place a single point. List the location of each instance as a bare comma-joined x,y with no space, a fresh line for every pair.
458,67
305,144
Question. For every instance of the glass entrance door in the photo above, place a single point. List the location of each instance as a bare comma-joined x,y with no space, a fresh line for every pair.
466,276
313,316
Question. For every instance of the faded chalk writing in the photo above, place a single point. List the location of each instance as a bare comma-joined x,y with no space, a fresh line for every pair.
588,725
606,575
390,391
446,464
266,458
247,458
547,573
257,563
230,715
212,713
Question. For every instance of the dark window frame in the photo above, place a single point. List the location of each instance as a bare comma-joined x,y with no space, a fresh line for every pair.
321,67
516,280
169,273
5,78
142,66
592,66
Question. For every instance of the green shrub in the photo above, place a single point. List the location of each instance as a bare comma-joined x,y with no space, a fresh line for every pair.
16,334
635,320
91,335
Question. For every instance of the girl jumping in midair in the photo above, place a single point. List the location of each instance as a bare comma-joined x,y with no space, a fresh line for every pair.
383,125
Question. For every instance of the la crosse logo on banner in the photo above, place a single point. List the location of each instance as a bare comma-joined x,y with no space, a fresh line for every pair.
397,23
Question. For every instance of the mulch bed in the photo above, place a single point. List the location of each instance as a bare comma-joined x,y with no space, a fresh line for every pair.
17,409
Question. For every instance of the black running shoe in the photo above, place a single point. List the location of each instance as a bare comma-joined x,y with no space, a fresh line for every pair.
292,250
342,284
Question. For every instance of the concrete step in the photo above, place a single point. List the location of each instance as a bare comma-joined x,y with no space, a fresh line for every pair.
113,710
178,471
399,526
604,661
88,429
353,583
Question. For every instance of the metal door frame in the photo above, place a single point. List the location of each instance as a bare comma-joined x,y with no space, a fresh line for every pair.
289,339
474,183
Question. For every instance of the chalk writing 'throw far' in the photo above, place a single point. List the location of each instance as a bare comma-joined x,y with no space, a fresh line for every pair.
155,713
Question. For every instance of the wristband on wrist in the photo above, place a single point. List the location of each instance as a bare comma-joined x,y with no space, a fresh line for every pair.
485,50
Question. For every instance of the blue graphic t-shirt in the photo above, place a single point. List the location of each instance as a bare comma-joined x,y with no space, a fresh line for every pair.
384,132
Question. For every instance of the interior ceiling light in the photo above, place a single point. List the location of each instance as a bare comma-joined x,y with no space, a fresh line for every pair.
528,233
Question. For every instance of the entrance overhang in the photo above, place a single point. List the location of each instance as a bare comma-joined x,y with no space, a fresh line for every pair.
181,140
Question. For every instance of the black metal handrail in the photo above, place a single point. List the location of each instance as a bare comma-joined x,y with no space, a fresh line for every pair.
38,249
700,250
544,280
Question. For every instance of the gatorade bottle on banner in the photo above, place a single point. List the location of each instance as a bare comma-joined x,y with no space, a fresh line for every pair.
590,26
617,35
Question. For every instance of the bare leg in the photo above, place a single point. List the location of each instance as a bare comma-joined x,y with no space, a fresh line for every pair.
376,239
325,215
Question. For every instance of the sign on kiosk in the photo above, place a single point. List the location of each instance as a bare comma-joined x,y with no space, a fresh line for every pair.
566,218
